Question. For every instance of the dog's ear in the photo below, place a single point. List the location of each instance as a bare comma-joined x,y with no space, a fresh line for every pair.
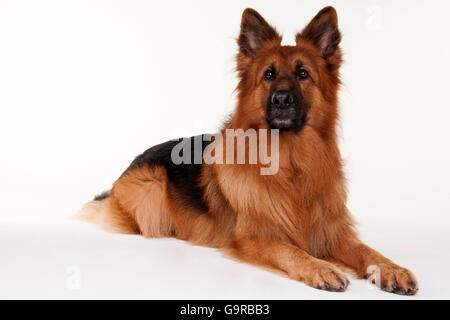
254,32
323,32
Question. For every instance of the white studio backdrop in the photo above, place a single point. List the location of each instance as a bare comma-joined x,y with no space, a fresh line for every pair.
85,86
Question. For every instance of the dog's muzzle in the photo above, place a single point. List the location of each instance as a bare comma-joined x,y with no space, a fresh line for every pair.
284,111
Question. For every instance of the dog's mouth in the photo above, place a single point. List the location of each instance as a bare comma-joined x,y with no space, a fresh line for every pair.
286,123
285,119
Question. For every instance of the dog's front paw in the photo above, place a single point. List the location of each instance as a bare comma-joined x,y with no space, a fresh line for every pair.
326,276
393,278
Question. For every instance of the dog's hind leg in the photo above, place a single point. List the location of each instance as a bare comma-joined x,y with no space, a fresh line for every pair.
143,201
141,196
137,203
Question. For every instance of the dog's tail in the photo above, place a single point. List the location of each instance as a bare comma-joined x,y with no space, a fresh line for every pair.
100,211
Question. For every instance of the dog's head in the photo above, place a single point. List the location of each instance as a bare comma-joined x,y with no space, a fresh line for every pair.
288,87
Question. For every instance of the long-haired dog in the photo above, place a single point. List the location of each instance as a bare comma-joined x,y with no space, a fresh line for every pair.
294,220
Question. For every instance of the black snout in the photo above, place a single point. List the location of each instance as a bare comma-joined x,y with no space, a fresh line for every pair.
282,99
285,110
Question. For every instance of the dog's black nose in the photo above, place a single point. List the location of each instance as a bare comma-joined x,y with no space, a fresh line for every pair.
282,99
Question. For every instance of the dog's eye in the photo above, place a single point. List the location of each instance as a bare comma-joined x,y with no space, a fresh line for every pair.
302,74
269,75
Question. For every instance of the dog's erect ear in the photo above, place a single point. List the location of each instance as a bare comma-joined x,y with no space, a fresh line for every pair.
254,32
323,32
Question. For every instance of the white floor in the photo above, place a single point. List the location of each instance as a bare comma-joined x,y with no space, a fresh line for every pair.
69,259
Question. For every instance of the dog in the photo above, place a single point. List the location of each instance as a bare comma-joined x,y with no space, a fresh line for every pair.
295,220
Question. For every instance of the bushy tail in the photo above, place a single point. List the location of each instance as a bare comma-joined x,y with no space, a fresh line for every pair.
99,211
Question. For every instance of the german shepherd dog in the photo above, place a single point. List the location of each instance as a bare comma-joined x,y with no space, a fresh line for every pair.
294,221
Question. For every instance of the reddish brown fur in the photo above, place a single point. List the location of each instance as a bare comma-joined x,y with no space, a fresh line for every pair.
292,221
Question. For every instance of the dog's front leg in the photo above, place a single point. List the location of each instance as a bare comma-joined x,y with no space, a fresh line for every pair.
298,264
370,264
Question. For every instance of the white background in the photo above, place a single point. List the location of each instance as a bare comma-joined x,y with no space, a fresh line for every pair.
85,86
